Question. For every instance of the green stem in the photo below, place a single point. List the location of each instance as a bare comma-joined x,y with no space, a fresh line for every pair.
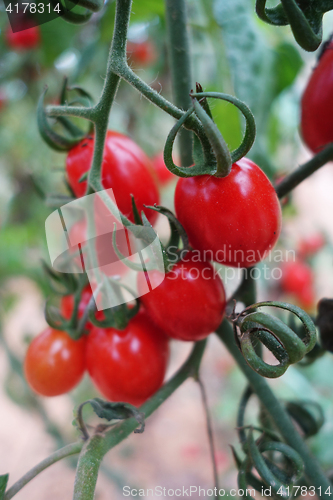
179,56
301,173
66,451
210,434
94,450
315,475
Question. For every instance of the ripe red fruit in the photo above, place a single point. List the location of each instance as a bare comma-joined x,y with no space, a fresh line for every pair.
141,53
234,220
107,258
163,173
317,104
125,169
310,245
23,40
298,280
189,304
67,305
128,365
54,363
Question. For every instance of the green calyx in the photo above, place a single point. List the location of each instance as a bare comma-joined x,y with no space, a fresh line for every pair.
216,159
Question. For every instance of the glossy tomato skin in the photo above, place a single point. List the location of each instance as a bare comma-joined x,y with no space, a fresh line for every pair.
54,363
317,104
298,280
23,40
163,173
125,168
234,220
128,365
107,258
189,304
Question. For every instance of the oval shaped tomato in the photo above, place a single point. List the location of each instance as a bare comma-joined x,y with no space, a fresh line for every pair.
298,280
317,104
234,220
23,40
107,258
54,363
128,365
189,304
125,169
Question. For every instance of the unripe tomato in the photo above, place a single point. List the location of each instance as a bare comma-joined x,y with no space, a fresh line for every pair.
317,104
233,220
298,280
141,53
125,169
189,304
23,40
128,365
54,363
163,173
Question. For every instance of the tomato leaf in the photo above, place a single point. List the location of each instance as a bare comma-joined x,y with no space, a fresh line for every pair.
3,485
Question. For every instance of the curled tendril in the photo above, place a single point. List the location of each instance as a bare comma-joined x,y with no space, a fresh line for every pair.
287,347
53,139
68,15
276,475
272,476
304,18
208,164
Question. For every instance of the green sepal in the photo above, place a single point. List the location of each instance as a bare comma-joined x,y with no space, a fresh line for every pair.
3,485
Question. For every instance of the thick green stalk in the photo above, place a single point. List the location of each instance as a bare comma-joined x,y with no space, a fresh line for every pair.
314,474
179,57
66,451
304,171
99,444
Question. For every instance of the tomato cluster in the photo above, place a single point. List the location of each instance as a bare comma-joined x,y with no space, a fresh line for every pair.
125,365
225,219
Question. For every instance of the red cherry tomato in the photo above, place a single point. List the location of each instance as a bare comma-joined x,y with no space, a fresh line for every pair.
141,53
107,258
298,280
128,365
234,220
67,305
311,245
125,169
163,174
189,304
317,104
54,363
23,40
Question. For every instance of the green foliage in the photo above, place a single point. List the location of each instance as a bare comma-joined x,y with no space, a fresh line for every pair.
3,485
